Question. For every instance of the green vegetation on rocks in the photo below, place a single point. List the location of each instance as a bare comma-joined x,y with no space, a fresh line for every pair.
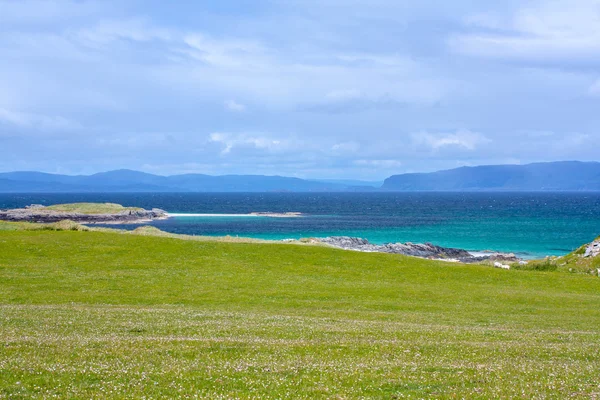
574,262
91,208
82,212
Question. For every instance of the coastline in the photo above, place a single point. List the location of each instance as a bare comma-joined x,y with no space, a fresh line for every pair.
42,214
123,222
422,250
138,216
251,215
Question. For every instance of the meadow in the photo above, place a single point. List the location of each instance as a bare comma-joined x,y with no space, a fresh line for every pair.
101,314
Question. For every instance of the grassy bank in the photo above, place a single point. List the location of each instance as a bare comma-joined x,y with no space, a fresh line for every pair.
574,262
90,314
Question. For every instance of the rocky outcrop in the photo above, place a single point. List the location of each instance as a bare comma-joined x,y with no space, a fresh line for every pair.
41,215
426,250
593,249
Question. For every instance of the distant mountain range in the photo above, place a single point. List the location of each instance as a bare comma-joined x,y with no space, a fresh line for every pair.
134,181
555,176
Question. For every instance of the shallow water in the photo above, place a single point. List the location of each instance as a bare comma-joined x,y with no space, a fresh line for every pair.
531,224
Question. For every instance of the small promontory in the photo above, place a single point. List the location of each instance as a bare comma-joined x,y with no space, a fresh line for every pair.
86,213
422,250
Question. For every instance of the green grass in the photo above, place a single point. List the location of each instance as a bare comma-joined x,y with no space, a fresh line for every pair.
144,230
92,314
91,208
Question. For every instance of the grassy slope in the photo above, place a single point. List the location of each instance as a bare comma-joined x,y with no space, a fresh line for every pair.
100,315
91,208
573,262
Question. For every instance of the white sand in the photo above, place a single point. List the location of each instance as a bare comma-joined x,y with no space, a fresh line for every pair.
210,215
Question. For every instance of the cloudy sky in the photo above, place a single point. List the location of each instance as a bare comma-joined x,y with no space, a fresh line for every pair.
311,88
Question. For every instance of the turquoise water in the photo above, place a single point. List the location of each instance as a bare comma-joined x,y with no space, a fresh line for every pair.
530,224
527,237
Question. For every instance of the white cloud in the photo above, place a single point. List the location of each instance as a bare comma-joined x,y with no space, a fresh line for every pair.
378,163
344,95
544,31
37,121
230,142
573,140
381,60
234,106
36,11
594,90
129,141
14,118
129,70
133,29
225,53
462,139
231,66
283,79
345,148
485,20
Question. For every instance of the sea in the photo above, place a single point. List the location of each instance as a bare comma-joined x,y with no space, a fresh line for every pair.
530,225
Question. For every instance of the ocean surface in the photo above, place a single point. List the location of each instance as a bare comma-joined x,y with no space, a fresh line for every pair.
529,224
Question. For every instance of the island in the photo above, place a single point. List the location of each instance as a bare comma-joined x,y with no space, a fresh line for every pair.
85,213
109,213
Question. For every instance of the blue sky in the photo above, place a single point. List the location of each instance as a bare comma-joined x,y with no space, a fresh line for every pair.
309,88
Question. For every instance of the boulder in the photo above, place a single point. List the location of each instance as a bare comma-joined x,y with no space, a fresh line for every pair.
593,249
500,265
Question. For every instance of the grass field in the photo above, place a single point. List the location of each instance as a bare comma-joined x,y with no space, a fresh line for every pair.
87,314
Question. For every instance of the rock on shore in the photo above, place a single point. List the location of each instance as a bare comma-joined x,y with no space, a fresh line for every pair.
42,215
426,250
593,249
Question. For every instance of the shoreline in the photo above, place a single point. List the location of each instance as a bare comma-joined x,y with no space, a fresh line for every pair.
42,214
248,215
193,215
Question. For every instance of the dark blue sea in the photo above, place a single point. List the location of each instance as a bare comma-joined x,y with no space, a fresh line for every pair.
530,224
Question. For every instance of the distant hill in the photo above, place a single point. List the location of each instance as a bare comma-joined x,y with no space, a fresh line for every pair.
553,176
135,181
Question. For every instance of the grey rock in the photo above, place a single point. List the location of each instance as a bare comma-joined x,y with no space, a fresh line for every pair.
500,265
593,249
426,250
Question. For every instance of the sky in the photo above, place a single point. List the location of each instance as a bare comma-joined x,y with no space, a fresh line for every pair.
339,89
